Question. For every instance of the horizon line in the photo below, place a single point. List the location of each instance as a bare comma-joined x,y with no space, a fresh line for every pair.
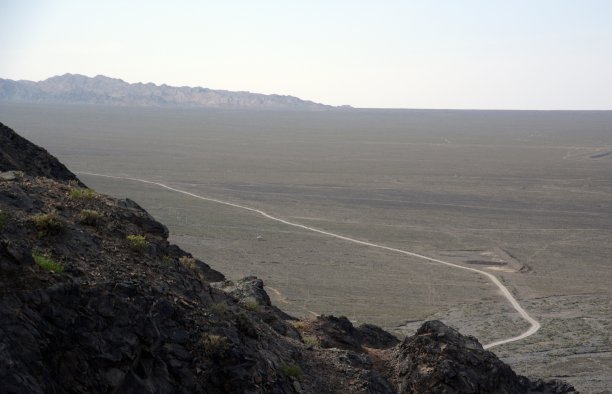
346,107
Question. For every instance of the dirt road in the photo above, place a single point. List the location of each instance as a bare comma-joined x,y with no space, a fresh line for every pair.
534,325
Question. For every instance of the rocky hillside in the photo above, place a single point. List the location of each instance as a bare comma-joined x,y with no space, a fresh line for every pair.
80,89
93,298
17,153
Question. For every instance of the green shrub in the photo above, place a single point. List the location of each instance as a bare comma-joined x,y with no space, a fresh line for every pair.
48,223
47,264
218,309
250,304
137,242
82,194
3,220
214,345
292,371
90,217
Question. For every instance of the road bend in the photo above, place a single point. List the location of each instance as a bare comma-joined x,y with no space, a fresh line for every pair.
534,325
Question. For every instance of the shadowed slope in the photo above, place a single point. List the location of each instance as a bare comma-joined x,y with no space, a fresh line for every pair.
17,153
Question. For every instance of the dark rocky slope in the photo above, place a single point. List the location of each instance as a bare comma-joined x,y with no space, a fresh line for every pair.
440,359
17,153
93,298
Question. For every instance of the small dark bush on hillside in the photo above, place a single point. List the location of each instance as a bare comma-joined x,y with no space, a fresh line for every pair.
48,223
188,262
245,326
47,263
3,219
137,242
250,304
214,345
218,309
292,370
90,217
82,194
192,264
311,340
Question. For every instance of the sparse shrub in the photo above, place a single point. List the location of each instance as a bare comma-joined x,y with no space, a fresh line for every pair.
82,194
200,275
48,223
47,263
250,304
192,264
3,219
292,370
298,324
218,309
245,325
90,217
311,340
214,345
166,259
137,243
188,262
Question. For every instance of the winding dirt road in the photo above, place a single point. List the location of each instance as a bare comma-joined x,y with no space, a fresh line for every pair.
534,324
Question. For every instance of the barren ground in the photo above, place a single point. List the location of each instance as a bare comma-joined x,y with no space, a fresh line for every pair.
526,194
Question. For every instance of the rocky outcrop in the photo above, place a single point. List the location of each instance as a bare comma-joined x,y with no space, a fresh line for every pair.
438,359
339,332
17,153
93,298
249,289
79,89
118,316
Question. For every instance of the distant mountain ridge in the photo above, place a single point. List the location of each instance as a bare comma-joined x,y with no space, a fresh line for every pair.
81,89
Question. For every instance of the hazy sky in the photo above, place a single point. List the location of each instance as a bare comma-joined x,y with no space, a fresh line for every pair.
534,54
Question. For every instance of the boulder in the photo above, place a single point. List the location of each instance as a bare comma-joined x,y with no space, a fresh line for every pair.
438,359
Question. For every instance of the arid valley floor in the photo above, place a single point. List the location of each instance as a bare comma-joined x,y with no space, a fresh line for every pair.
525,195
